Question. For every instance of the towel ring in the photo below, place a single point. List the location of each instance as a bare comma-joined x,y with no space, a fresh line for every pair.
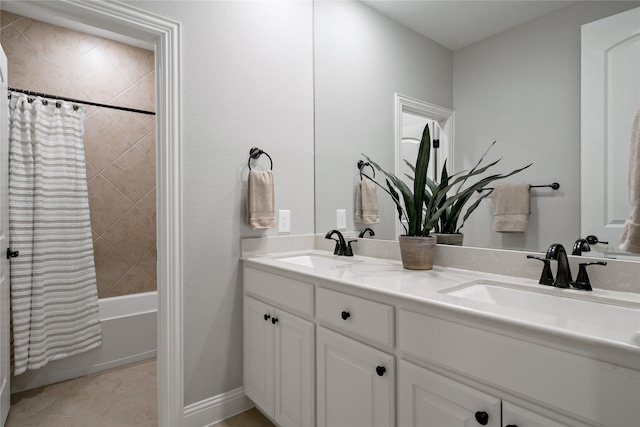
255,153
362,165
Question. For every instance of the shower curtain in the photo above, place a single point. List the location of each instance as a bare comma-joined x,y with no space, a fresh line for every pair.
54,297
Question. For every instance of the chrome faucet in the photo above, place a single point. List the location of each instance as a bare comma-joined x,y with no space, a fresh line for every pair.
581,245
365,231
563,275
342,247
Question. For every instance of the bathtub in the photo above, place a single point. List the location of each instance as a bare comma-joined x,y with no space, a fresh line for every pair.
129,325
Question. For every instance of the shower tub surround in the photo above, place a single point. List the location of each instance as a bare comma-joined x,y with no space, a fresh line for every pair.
418,339
119,146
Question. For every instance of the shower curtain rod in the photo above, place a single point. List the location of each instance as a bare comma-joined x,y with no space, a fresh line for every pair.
79,101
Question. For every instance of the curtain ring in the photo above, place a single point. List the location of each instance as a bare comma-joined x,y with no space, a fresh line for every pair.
75,107
45,102
58,104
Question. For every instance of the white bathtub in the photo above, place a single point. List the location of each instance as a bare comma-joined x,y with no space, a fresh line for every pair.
129,334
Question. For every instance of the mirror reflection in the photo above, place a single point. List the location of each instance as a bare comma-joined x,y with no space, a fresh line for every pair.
520,87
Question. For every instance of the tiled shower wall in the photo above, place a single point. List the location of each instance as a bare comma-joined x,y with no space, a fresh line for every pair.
119,146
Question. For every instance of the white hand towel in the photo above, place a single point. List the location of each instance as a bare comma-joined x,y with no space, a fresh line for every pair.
261,200
366,211
511,207
630,238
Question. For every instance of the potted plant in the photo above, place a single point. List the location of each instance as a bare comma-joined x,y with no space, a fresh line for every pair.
432,206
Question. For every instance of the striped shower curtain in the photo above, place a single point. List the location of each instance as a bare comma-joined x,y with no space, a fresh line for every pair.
54,297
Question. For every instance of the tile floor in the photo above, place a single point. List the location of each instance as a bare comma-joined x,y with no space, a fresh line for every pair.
120,397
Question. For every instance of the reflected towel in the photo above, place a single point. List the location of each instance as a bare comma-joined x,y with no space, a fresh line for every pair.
511,207
366,202
261,200
630,238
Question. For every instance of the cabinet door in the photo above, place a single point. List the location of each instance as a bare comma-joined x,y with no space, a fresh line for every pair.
294,371
356,383
427,399
259,354
515,416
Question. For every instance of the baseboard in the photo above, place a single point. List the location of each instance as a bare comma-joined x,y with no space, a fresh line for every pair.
217,408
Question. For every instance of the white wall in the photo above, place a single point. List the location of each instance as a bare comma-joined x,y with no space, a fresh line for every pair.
362,59
522,88
247,80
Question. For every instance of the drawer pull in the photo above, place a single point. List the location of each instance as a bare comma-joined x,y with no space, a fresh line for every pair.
345,315
482,418
274,320
380,370
267,317
511,425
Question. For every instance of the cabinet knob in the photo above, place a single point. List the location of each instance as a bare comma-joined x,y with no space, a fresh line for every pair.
345,315
274,320
482,418
267,317
380,370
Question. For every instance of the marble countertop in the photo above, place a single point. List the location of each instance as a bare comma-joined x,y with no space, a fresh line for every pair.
388,277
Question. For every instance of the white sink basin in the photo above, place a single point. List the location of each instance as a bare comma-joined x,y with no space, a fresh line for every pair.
580,312
319,261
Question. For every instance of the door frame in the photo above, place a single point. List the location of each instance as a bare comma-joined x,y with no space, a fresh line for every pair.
163,35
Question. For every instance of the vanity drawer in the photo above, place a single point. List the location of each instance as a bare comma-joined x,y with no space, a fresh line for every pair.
281,291
368,319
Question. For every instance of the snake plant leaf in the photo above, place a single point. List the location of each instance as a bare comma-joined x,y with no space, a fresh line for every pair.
396,199
420,179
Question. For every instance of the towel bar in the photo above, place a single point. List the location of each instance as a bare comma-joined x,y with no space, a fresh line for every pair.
255,153
362,165
553,186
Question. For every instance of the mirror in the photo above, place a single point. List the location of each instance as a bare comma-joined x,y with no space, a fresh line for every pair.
520,87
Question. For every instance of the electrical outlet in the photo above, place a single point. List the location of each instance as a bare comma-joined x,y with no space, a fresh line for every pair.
284,221
341,216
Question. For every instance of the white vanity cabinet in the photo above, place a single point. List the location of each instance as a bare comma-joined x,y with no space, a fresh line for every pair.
516,416
321,352
427,399
279,369
356,383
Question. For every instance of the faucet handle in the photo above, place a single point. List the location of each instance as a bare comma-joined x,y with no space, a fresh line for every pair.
349,251
547,276
582,280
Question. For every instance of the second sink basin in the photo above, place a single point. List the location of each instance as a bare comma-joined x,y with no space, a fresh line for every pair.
318,261
584,313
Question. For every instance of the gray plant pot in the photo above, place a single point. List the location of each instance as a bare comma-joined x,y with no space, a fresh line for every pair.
417,252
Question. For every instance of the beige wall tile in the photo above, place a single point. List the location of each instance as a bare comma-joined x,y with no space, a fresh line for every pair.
147,86
106,204
93,67
147,145
26,65
133,174
111,266
148,204
91,171
133,62
134,282
58,44
148,263
103,142
133,235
